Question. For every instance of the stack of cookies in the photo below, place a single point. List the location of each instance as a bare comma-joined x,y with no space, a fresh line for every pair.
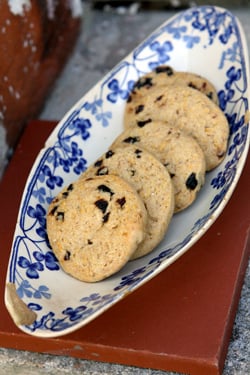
121,206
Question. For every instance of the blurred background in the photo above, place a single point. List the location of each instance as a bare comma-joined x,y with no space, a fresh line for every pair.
168,4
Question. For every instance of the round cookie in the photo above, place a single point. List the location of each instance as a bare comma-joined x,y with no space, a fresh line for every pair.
150,179
177,151
164,75
192,112
95,225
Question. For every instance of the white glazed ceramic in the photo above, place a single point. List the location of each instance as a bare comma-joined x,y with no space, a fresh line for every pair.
206,40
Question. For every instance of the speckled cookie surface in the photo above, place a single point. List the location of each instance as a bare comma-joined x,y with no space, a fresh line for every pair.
165,75
95,225
179,153
192,112
152,182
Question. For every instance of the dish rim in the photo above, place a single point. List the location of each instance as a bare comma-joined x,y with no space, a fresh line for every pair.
205,227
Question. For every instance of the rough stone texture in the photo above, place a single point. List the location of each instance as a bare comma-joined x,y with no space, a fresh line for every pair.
102,43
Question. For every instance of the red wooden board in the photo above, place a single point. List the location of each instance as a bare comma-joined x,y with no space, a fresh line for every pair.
179,321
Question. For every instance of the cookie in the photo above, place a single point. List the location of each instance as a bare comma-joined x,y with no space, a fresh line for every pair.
177,151
95,225
165,75
152,182
191,111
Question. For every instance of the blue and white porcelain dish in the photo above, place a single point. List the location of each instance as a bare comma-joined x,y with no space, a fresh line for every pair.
206,40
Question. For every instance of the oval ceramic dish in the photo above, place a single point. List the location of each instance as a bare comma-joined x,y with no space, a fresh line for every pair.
206,40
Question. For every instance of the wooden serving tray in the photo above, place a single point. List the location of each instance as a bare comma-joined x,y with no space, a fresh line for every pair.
188,331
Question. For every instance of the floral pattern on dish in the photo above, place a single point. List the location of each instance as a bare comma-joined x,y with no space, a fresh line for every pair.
206,34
